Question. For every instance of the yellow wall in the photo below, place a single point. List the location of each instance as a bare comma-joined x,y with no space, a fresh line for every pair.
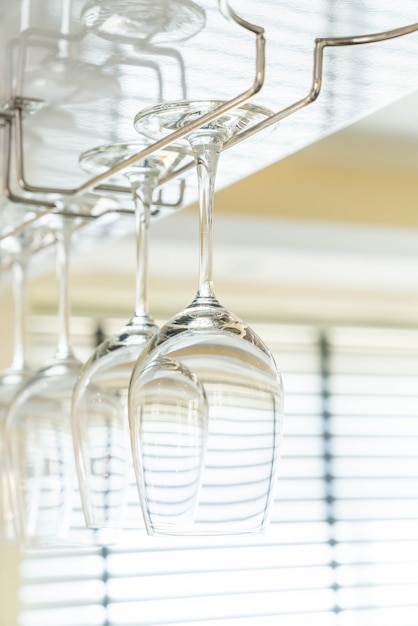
351,177
9,554
9,583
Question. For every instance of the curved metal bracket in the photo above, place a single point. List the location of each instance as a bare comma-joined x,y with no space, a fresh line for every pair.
173,137
318,56
312,95
171,205
7,191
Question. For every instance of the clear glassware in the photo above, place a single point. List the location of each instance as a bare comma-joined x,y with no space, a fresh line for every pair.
65,81
38,442
153,21
11,380
62,78
17,248
237,371
99,409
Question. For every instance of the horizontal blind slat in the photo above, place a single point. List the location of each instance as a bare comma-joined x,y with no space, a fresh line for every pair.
150,612
344,522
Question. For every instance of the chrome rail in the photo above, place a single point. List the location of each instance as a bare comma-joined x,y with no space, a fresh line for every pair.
12,116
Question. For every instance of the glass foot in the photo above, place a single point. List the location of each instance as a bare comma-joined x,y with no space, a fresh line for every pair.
156,21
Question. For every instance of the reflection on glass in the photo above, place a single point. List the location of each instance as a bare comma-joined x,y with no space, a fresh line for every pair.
39,451
99,412
156,21
236,370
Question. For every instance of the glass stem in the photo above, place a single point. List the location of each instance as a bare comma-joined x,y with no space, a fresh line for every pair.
63,241
19,298
206,148
24,15
142,188
64,44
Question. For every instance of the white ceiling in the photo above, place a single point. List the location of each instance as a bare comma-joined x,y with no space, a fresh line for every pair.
218,63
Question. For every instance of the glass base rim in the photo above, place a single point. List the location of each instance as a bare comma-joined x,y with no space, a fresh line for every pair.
185,20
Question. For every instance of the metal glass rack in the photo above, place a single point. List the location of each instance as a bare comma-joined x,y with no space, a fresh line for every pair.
13,114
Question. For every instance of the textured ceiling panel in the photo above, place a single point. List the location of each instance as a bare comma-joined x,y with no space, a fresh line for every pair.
91,87
92,94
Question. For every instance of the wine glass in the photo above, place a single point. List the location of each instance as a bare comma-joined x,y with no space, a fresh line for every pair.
61,78
99,410
38,442
12,378
147,25
241,381
65,81
17,248
156,21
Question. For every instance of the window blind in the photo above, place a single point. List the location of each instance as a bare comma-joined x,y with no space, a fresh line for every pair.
342,546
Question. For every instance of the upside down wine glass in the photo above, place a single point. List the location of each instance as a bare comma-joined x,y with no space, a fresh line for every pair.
12,378
236,369
38,443
148,25
17,248
62,78
99,410
158,21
